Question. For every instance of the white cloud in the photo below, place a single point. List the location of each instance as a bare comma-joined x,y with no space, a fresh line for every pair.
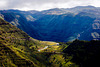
45,4
3,3
96,3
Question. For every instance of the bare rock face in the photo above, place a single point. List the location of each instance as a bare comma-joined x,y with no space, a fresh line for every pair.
96,24
15,22
1,16
30,18
95,35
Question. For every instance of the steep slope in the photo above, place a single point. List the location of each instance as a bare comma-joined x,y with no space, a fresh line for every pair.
11,39
67,27
58,24
16,45
75,23
9,58
20,19
17,49
84,53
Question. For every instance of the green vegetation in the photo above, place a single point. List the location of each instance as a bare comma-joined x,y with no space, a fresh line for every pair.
20,45
17,49
9,58
84,53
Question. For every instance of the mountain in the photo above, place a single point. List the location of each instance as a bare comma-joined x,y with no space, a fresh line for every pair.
58,24
20,19
18,49
79,9
23,12
12,43
82,22
68,27
55,11
75,10
85,53
17,46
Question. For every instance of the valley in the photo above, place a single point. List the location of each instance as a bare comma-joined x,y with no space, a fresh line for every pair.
59,25
66,37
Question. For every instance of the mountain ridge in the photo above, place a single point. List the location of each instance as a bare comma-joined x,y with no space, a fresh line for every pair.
44,25
17,46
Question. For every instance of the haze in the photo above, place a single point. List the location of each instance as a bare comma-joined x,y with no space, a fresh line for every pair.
45,4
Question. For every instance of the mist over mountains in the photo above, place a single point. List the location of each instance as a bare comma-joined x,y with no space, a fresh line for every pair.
58,24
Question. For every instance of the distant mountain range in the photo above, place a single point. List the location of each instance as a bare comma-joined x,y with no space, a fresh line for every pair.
58,24
18,49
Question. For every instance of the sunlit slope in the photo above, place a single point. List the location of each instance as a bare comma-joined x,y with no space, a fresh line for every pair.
16,45
9,58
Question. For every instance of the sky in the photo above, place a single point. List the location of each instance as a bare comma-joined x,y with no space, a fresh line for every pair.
45,4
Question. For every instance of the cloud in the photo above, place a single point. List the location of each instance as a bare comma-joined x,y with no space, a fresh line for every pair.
44,4
2,3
